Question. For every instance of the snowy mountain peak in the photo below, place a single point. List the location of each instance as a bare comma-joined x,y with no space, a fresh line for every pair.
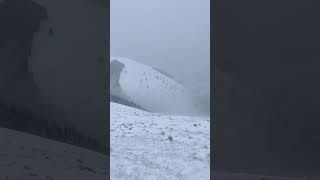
148,88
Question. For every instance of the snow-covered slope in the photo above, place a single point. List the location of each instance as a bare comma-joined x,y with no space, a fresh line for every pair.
149,88
155,146
29,157
141,148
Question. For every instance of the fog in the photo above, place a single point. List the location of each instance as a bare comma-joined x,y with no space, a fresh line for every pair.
173,35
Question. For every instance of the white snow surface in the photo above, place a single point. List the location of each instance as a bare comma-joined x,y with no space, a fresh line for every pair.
141,147
28,157
153,90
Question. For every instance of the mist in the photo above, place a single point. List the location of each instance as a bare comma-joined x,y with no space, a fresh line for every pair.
171,35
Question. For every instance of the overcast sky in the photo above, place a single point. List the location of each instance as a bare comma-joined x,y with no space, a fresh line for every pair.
173,35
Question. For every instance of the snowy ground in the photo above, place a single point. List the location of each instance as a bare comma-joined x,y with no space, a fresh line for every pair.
141,147
28,157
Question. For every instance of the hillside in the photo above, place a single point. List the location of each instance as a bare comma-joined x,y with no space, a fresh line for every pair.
156,146
148,87
29,157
